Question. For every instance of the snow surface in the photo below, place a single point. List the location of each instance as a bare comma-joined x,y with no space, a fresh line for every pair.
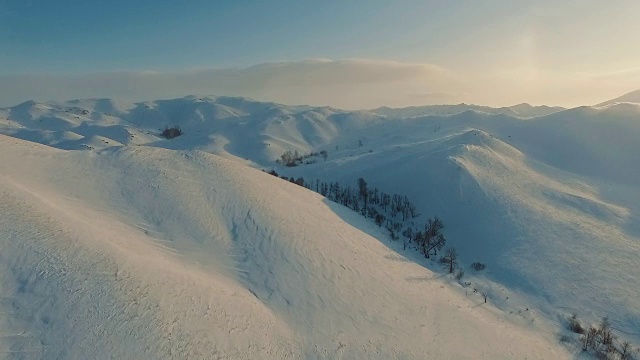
142,252
548,200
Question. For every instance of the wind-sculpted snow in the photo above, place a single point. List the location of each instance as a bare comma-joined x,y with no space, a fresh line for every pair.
149,253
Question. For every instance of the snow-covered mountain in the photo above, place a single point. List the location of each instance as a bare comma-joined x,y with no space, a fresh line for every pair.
632,97
521,110
237,126
546,197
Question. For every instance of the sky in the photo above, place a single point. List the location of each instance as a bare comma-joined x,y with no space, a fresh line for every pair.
350,54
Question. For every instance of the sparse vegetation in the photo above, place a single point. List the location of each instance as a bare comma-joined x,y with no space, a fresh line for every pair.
294,158
478,266
600,340
171,132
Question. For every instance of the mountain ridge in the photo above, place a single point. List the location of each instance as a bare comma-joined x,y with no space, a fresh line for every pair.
631,97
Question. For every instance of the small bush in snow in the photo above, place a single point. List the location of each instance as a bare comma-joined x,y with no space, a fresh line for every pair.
459,274
574,324
171,132
478,266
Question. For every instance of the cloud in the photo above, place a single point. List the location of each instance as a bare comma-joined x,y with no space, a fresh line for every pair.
622,72
439,97
350,84
347,84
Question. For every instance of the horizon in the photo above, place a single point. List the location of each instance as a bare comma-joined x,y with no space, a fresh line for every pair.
356,55
248,98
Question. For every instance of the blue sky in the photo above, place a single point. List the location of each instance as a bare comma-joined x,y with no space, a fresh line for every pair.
80,36
541,43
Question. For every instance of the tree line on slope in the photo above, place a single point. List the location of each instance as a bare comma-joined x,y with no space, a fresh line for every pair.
395,211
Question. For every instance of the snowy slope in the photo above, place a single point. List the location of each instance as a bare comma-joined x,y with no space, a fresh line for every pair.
149,253
550,203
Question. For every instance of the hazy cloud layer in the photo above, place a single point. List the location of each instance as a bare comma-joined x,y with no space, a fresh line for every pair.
349,84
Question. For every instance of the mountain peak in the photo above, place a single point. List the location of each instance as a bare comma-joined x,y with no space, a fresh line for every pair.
631,97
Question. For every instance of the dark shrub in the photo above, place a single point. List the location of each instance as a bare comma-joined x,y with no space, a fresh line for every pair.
171,132
574,324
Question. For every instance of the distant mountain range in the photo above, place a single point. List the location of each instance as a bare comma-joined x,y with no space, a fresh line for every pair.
521,110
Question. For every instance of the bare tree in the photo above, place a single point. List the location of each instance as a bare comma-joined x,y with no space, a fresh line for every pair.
433,240
606,335
589,338
385,200
408,232
626,352
362,188
324,154
450,259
